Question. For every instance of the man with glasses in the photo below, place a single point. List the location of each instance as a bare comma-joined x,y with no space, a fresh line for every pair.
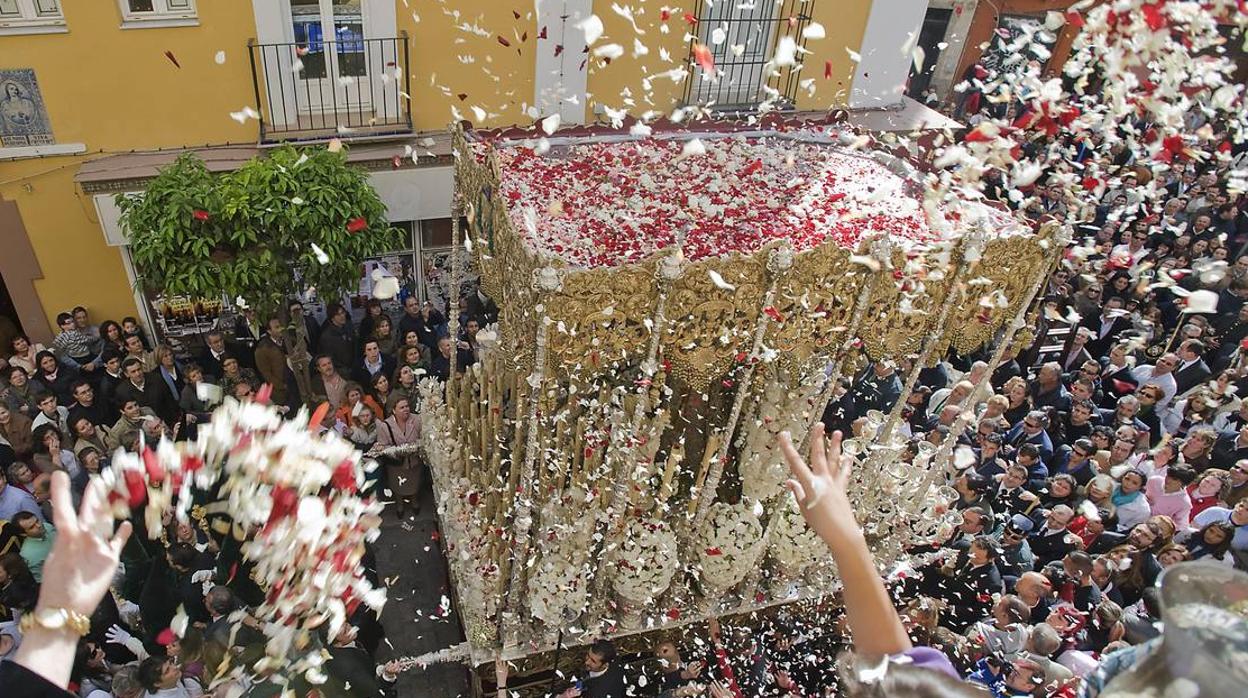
1161,375
1016,555
1078,462
1133,250
1031,429
1238,491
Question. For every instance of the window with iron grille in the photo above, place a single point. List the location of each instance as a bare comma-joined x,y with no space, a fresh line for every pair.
742,36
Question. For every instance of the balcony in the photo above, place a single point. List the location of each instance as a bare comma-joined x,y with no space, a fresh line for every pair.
357,88
743,38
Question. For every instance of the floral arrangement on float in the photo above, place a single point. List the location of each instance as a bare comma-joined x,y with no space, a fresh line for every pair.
762,467
559,583
751,191
793,546
644,566
729,546
296,487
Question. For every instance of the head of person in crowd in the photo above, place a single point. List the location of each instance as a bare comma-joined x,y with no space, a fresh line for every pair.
133,369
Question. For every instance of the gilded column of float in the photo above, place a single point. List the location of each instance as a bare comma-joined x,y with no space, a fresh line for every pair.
881,250
669,270
779,261
546,281
1057,241
952,298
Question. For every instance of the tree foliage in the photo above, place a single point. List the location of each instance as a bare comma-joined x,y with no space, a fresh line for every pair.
250,233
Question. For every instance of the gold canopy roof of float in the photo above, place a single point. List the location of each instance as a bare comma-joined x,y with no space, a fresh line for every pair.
600,315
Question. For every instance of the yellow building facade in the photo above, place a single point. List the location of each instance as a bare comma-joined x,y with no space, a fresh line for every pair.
96,95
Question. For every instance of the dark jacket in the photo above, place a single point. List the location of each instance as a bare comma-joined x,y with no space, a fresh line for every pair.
361,375
338,343
154,395
609,685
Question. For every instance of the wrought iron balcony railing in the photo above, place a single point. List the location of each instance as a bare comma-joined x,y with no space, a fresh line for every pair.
314,89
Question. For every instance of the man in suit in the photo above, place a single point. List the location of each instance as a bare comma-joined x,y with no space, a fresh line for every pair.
1192,370
372,363
605,679
1053,540
86,405
353,672
216,348
1031,430
148,393
271,359
422,319
1107,326
248,332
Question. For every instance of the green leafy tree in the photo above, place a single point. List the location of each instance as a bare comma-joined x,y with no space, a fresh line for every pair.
295,218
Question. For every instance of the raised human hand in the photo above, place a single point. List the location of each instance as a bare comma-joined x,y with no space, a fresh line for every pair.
820,487
84,556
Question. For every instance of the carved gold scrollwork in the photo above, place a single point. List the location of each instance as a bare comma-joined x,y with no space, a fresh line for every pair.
888,330
997,283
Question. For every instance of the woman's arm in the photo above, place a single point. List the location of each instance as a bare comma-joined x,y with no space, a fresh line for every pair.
820,490
82,561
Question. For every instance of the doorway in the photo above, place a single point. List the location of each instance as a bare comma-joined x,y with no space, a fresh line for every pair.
931,36
10,323
330,40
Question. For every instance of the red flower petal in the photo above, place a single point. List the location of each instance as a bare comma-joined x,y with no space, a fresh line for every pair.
673,613
504,41
355,225
136,489
665,14
827,70
1153,17
690,19
702,55
714,551
1074,19
201,215
155,471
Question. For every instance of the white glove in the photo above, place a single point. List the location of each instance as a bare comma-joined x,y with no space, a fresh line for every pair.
116,635
201,576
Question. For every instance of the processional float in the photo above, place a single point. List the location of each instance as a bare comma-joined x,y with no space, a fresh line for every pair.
669,304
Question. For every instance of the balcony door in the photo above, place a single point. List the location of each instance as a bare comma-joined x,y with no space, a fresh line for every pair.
329,38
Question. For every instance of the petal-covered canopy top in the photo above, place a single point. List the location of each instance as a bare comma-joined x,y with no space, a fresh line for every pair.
610,202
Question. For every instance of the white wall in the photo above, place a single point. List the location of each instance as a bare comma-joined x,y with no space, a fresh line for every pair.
561,81
880,79
413,195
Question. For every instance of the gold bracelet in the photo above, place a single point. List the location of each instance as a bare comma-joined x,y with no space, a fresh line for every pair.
56,619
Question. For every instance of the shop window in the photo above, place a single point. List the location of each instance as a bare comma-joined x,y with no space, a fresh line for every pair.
31,16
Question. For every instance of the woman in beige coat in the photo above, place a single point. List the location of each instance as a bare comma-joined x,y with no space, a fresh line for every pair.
404,474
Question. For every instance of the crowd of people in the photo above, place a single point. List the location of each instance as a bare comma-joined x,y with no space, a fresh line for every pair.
70,407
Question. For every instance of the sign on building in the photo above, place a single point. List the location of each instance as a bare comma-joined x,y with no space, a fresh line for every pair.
23,115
